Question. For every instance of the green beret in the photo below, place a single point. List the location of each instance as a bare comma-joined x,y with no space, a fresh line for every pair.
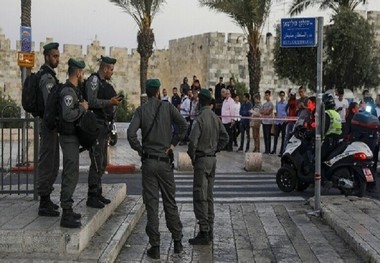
108,60
153,84
76,63
52,45
205,94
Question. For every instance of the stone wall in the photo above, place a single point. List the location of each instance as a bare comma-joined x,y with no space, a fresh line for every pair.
207,56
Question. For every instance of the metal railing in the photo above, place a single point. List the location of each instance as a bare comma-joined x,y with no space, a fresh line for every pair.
19,142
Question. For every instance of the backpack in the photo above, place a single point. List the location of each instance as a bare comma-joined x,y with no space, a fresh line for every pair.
82,88
51,116
31,96
87,130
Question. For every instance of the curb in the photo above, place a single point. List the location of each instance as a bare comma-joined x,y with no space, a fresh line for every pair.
111,168
121,169
345,231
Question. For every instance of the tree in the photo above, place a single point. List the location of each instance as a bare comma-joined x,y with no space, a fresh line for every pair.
9,109
143,12
299,65
350,52
298,6
250,15
124,111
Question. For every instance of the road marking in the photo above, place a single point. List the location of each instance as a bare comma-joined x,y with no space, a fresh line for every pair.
247,199
244,186
228,181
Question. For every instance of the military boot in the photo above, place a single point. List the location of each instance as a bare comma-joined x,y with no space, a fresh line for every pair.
93,201
178,248
68,220
54,206
76,216
45,208
201,239
154,252
102,198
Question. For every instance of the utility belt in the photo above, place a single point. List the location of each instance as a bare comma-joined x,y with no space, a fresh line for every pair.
156,157
202,155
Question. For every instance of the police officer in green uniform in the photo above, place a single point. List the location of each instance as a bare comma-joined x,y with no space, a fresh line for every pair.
333,126
155,119
101,98
71,110
48,161
207,137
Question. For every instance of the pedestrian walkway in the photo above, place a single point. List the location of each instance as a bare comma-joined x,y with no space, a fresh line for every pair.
249,225
248,232
237,187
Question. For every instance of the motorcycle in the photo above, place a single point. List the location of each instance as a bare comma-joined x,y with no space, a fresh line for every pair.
347,167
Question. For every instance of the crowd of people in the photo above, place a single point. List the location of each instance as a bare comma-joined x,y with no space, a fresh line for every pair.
250,116
244,117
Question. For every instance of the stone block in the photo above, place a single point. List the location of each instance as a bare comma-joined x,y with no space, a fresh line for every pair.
43,242
253,161
10,241
184,162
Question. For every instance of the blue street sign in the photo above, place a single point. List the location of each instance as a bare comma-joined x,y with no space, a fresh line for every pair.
298,32
26,39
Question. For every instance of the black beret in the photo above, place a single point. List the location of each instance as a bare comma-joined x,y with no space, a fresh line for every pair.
108,60
153,84
52,45
76,63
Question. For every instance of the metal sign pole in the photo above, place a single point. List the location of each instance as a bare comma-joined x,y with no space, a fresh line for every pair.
318,137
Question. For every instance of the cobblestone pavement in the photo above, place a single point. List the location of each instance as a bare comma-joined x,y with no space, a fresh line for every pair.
262,232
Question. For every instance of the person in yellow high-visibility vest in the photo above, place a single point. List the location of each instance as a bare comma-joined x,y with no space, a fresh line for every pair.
333,126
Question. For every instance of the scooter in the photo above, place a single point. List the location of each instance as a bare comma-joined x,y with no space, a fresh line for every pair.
347,167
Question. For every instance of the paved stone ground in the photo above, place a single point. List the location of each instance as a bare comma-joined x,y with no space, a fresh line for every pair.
261,232
265,232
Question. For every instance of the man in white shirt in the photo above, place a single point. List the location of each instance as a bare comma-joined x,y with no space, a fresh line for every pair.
228,110
185,112
341,105
236,128
185,105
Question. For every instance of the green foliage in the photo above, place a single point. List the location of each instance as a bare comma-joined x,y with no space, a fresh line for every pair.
240,87
350,52
124,111
299,65
8,109
299,6
350,59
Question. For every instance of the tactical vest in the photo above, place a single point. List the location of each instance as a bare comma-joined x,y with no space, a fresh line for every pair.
105,92
68,128
335,123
